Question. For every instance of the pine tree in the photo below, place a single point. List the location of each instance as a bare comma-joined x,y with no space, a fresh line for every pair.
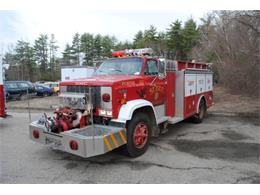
190,37
97,47
108,44
161,46
53,50
24,56
139,40
75,48
41,51
150,37
67,55
175,40
87,44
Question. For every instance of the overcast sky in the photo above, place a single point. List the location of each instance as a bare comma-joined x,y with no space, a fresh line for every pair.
27,25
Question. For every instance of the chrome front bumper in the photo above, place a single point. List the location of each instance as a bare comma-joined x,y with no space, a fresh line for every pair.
91,140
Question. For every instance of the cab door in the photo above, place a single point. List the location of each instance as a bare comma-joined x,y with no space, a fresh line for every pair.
155,82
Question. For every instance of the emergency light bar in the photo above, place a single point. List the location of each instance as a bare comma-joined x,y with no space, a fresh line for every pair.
133,52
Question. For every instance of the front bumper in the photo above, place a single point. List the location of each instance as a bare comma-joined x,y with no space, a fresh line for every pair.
92,140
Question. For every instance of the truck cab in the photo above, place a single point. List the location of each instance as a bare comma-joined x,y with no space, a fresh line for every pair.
130,98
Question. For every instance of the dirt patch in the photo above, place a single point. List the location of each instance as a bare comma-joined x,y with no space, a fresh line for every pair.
238,151
232,135
253,179
35,103
252,118
71,165
224,101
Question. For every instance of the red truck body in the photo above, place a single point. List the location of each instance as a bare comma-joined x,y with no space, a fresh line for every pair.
128,100
150,88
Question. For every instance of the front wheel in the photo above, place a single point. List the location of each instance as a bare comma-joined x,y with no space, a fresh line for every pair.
138,135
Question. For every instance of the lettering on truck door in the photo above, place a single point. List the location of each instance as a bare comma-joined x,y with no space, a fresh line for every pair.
155,85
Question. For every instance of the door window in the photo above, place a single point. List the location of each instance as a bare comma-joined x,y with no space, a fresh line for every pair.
152,68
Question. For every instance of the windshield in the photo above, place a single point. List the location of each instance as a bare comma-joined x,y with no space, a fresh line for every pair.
123,66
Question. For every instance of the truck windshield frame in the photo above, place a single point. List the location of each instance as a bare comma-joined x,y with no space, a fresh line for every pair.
121,66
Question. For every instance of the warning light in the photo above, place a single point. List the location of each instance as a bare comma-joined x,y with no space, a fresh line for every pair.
133,52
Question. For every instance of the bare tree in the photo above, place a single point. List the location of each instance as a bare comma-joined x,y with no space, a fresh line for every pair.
230,39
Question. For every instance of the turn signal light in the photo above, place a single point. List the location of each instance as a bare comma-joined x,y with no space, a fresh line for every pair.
123,101
74,145
36,134
106,97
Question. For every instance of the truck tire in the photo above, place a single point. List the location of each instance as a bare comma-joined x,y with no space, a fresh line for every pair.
138,135
198,118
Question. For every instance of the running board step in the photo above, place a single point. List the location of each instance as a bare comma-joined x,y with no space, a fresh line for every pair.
174,120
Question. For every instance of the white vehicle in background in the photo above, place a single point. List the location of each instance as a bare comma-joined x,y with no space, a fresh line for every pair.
76,72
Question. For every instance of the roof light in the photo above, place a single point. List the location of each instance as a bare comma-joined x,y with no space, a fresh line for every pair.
133,52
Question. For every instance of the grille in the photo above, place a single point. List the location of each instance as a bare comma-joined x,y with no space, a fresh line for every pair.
84,90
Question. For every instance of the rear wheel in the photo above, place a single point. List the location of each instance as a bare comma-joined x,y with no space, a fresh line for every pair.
198,118
138,135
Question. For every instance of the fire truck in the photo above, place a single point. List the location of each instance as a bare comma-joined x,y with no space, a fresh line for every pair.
2,94
130,98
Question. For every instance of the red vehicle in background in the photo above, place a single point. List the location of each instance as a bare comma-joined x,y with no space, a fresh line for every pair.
2,94
131,98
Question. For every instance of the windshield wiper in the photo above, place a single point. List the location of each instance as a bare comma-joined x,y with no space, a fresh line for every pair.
118,70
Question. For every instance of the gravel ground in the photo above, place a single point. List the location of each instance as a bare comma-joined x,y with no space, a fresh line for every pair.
223,149
220,150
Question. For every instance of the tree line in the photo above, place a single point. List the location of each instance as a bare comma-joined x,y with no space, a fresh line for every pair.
32,62
228,39
176,43
231,41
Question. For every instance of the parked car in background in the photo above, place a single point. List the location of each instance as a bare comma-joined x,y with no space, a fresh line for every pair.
19,90
54,85
40,82
42,90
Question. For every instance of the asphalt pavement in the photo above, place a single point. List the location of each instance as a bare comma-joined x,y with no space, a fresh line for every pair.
223,149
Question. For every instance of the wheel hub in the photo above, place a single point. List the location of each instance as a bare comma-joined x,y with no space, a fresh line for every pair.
140,135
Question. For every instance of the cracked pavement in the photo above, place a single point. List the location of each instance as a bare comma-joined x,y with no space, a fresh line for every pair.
220,150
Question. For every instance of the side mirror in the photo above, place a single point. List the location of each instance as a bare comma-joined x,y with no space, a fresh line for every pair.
161,76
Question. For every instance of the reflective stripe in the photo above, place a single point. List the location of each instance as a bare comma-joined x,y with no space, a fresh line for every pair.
114,140
107,143
122,137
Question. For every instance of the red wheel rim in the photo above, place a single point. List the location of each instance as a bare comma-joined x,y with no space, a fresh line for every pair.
140,135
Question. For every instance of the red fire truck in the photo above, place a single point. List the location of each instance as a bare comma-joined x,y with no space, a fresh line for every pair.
2,95
132,97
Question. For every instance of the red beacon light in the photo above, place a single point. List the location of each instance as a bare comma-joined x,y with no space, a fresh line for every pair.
133,52
117,54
